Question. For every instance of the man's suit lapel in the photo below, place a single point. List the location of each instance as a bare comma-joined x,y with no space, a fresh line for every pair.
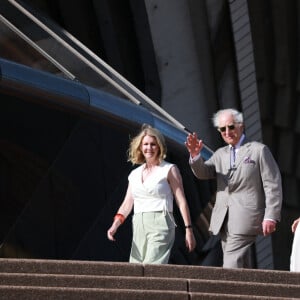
243,152
227,155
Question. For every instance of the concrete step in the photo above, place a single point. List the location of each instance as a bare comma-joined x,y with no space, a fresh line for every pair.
37,266
128,269
244,288
212,296
52,293
110,280
92,281
60,293
216,273
150,283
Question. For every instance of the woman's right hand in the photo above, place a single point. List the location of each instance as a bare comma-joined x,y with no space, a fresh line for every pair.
111,232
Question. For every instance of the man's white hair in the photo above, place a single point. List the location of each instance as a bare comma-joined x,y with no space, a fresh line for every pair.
237,116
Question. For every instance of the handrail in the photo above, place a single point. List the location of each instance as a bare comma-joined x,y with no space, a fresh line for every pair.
36,47
129,88
74,47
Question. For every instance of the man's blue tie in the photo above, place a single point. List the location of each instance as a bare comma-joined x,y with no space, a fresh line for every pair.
232,156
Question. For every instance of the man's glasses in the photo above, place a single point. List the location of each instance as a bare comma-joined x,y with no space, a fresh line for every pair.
223,129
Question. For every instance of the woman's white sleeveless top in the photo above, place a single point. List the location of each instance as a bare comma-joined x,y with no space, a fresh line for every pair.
154,194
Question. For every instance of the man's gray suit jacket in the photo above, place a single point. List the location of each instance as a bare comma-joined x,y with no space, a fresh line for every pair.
248,193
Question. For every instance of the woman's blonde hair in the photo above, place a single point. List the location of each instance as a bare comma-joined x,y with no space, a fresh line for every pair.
135,154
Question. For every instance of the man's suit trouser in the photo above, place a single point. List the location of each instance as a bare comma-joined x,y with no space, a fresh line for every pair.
236,249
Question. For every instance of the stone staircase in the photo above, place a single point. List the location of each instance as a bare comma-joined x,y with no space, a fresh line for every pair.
56,279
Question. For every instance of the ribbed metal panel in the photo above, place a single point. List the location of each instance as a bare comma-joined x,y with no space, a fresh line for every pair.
246,67
249,100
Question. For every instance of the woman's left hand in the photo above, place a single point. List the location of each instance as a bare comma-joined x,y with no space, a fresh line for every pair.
190,240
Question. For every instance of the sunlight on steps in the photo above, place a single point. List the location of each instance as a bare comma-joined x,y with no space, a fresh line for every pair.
67,279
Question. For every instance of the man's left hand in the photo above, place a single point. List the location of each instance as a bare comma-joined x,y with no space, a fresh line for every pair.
268,227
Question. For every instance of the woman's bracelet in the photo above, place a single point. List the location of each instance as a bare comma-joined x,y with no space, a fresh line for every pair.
120,217
188,226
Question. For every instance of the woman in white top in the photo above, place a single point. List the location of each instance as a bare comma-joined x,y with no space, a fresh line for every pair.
295,255
150,194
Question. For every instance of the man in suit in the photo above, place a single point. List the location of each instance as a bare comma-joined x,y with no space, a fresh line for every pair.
249,191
